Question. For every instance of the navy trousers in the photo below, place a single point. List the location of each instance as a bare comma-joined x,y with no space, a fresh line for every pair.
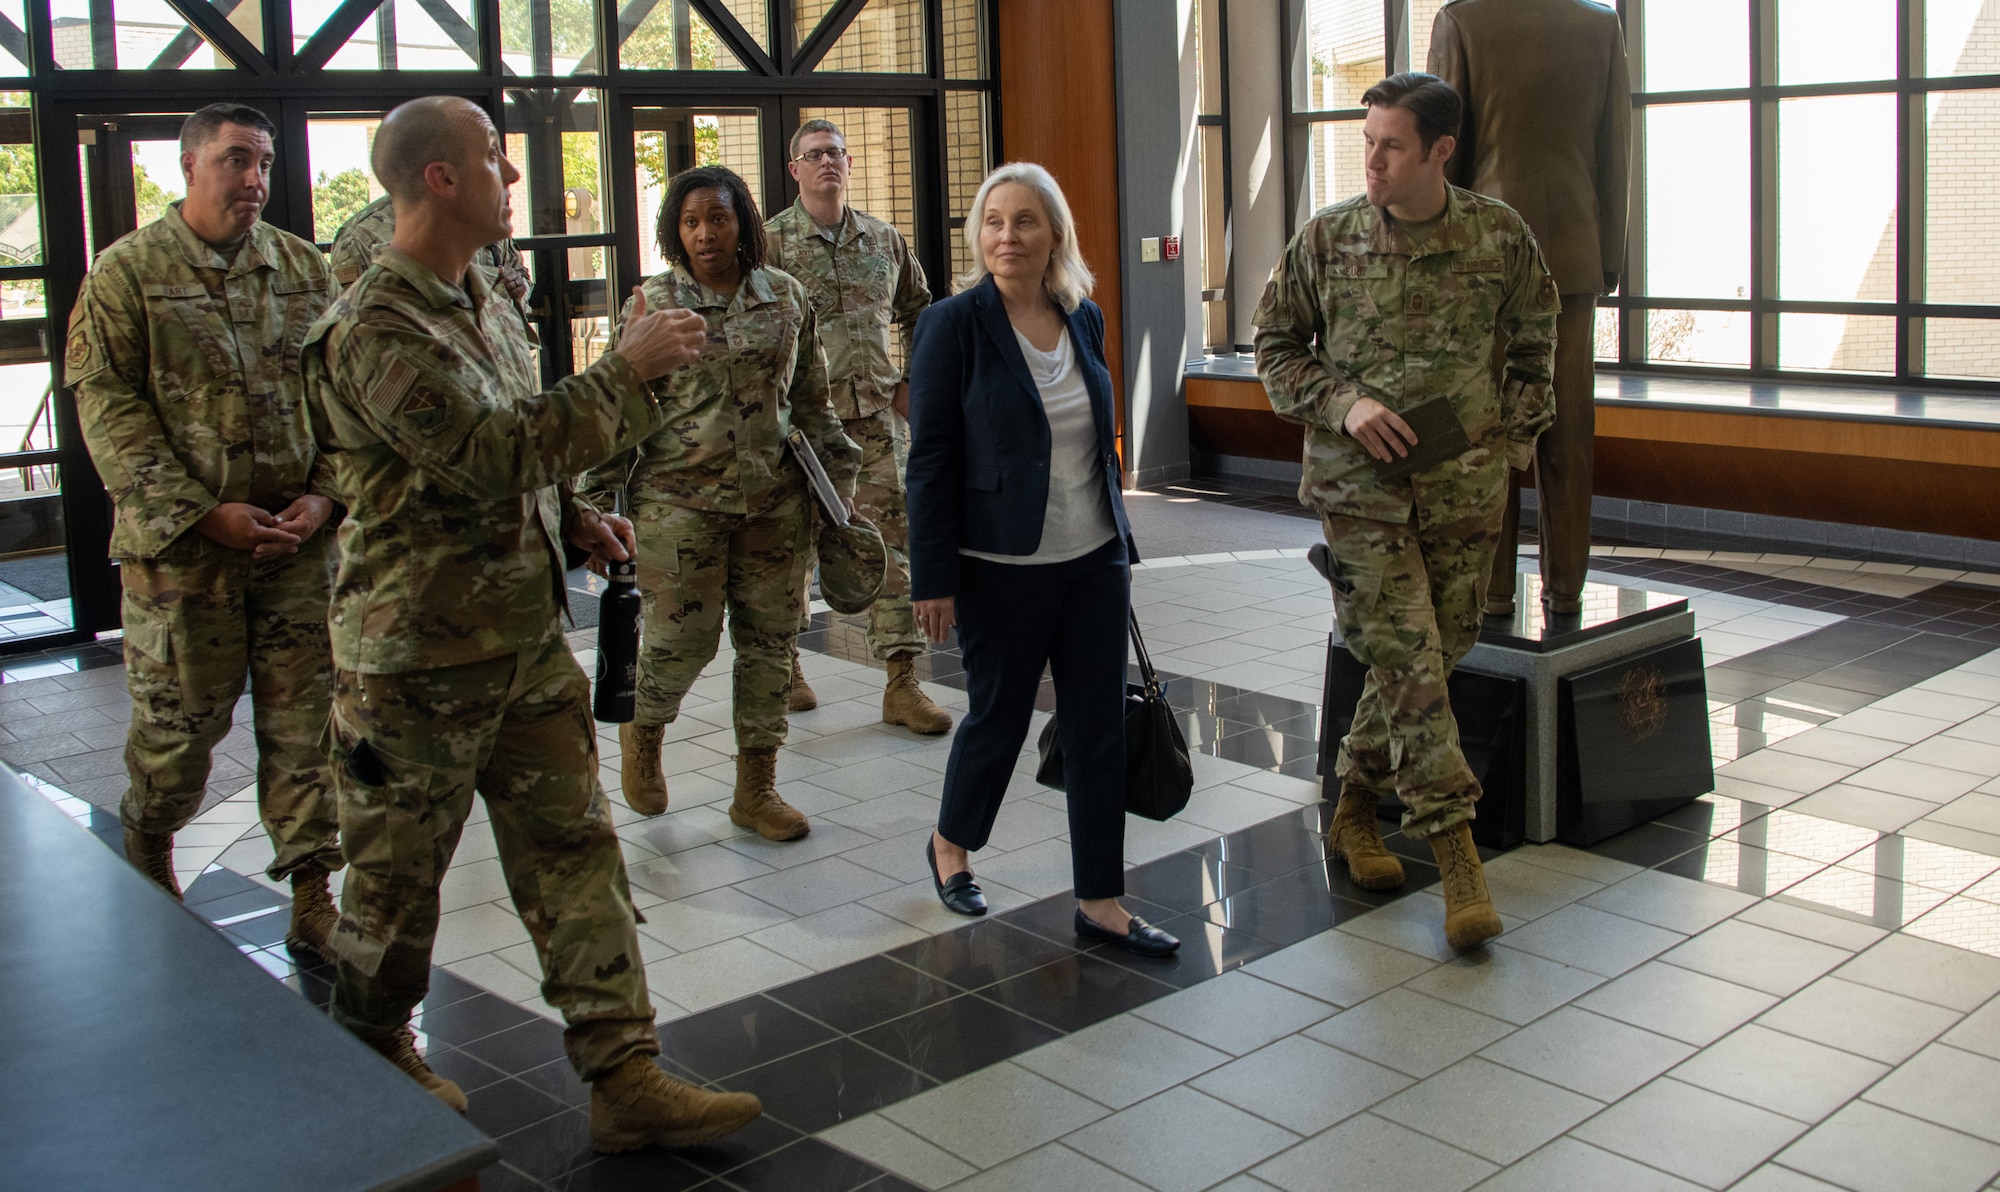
1013,620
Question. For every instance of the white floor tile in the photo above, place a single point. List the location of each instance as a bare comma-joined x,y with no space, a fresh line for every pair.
1376,1154
1691,1132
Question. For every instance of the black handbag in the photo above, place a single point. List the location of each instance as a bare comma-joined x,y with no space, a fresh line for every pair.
1159,776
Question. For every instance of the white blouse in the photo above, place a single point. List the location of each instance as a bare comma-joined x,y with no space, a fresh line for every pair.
1077,518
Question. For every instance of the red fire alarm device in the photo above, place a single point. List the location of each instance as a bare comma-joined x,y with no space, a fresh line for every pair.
1170,248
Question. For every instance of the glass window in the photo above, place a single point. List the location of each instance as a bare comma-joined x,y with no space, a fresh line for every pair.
156,179
549,37
1696,45
1344,54
1698,200
1835,41
755,17
964,24
1837,343
145,35
343,182
967,162
885,37
1609,323
806,16
1962,196
1698,337
669,140
20,202
413,35
658,42
1423,19
1837,198
883,179
1333,165
1962,348
13,38
552,139
1961,37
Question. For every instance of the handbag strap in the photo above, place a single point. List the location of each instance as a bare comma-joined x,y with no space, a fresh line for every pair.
1146,671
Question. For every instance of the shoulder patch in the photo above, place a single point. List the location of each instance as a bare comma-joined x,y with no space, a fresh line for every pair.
1547,294
396,380
78,353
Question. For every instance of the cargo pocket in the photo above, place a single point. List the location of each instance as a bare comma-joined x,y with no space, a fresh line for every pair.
386,827
1354,600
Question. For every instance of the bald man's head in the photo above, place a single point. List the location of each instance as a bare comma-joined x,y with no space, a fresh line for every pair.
432,129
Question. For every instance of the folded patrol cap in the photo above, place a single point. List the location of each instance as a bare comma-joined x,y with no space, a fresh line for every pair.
853,564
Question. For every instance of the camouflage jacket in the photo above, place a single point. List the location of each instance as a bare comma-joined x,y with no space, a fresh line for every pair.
423,399
367,230
860,286
1356,310
186,372
722,447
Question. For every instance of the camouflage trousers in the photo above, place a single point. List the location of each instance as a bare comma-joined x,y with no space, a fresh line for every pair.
517,729
878,496
1408,599
694,564
194,631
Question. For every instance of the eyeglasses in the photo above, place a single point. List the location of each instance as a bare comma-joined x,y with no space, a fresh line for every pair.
815,156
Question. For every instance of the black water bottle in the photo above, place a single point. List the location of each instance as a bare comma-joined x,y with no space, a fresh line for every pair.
618,645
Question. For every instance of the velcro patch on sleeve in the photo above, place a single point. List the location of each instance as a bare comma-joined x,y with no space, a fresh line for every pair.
395,381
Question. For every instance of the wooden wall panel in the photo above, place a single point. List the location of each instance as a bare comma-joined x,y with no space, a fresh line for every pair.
1059,109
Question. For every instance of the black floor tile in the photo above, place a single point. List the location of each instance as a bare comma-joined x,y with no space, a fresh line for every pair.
1835,701
1870,681
1712,815
502,1178
829,1084
529,1045
218,883
1073,994
1054,918
890,1183
559,1080
1417,874
949,1039
1270,849
462,1022
505,1106
445,989
726,1039
759,1138
457,1066
642,1171
262,931
980,953
1649,845
550,1147
857,996
1286,910
807,1165
1206,951
1188,880
228,906
1775,661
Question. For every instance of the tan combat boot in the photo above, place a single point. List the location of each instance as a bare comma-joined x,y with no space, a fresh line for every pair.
400,1049
313,915
799,697
1469,917
758,804
1355,837
636,1104
639,767
904,703
152,854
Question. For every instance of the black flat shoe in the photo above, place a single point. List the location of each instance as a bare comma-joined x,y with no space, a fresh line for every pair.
961,895
1140,939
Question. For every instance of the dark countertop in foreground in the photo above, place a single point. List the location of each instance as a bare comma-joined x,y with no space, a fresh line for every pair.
138,1049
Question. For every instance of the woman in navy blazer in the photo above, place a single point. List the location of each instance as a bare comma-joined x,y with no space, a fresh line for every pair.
1018,537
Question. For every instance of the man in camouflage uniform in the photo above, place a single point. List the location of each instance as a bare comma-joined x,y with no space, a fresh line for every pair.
721,506
183,352
451,671
862,278
1378,303
370,229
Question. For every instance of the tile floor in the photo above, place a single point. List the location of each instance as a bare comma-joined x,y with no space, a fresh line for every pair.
1789,984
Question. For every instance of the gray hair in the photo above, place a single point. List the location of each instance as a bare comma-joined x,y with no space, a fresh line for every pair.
200,128
1068,280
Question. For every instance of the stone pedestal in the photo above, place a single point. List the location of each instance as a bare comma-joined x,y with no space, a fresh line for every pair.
1578,727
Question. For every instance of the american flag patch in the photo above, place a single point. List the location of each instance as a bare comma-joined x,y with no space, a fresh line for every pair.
387,393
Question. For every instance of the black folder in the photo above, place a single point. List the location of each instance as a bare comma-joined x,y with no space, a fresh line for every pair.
1440,438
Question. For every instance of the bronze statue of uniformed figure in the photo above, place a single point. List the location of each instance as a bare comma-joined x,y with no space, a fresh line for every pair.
1548,118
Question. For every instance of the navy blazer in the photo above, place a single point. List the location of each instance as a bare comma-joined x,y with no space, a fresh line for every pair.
978,473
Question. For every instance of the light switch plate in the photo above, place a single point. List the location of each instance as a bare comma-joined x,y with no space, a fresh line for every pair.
1149,249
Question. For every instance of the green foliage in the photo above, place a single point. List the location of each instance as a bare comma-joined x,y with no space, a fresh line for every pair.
335,199
17,169
571,32
580,162
152,197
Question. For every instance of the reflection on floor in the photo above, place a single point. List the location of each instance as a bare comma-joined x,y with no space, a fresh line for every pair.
1787,985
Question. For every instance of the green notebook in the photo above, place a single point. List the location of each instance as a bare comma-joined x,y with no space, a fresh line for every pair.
1439,438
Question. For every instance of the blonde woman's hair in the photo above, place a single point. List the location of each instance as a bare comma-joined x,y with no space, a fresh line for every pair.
1068,280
